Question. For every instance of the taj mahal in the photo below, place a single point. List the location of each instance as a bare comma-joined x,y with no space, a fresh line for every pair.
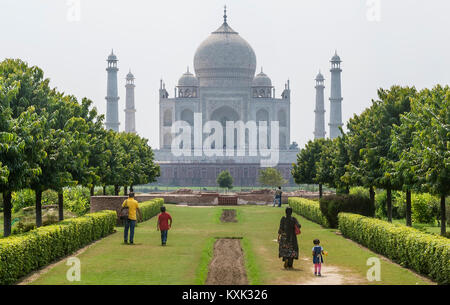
224,87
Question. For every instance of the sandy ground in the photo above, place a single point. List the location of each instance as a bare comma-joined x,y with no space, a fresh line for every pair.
227,266
228,216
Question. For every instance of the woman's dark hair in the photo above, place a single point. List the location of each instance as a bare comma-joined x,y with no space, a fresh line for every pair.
163,209
279,187
316,241
288,211
131,195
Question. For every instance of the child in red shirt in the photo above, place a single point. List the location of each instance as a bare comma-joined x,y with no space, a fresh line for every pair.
163,224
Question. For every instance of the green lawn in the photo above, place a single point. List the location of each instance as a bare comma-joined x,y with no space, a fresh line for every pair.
425,227
111,262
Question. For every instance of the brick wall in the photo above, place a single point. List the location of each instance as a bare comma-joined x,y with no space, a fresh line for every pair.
99,203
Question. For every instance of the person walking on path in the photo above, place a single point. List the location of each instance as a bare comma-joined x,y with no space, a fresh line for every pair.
130,222
287,239
277,198
317,252
164,225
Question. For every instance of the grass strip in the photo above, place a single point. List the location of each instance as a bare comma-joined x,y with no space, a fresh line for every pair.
251,266
203,267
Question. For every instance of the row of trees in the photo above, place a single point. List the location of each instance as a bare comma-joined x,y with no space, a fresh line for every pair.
401,142
269,177
49,140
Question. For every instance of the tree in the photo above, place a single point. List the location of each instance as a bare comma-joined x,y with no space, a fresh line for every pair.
225,180
23,92
377,156
114,172
305,170
271,177
355,143
429,155
398,168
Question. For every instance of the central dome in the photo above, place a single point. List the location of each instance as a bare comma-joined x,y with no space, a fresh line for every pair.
225,59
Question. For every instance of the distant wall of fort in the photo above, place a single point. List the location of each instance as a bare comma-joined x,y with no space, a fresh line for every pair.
99,203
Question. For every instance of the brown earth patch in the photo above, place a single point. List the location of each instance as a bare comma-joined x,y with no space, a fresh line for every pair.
227,266
228,216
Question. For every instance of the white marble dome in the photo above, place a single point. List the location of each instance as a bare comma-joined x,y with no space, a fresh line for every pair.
188,80
262,80
225,59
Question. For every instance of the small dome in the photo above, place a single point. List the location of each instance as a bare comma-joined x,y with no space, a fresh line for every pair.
262,80
188,80
320,76
336,58
112,56
130,75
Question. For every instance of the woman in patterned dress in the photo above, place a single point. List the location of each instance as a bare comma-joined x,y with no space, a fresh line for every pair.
287,239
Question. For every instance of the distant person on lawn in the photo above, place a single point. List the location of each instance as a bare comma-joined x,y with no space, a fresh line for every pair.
130,222
164,225
278,194
287,239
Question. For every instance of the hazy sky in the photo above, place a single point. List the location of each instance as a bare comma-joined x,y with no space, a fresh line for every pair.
409,45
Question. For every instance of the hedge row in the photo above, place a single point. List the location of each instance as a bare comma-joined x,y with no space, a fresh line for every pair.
150,208
426,254
332,205
309,209
21,254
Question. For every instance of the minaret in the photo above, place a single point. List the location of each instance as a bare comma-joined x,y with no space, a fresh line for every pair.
130,123
112,97
319,130
335,97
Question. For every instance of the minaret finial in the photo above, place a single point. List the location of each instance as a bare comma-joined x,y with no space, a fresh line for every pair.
225,14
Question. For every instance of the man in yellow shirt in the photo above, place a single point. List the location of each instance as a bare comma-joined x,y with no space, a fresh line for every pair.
130,223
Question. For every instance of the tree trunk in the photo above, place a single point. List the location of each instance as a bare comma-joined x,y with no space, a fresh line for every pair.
7,207
116,190
408,208
38,208
125,190
389,203
320,190
372,199
61,205
104,190
92,191
443,220
131,188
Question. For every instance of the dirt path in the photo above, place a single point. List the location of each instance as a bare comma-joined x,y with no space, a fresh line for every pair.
227,266
228,216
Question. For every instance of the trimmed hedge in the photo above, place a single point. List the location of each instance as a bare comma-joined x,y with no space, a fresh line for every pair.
23,253
309,209
332,205
424,253
150,208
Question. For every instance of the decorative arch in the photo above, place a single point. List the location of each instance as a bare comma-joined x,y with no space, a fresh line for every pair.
167,117
167,142
282,118
188,116
262,115
283,140
222,115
